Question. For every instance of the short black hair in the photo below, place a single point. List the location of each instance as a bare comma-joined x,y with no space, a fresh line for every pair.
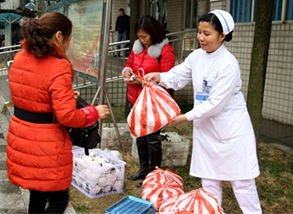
215,22
121,9
150,25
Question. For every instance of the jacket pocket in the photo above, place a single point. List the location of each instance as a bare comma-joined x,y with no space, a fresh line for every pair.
226,125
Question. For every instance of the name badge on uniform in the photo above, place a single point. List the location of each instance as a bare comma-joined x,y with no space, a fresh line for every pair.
204,94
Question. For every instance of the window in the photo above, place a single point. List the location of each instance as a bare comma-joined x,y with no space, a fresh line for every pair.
190,14
243,10
158,10
289,10
277,13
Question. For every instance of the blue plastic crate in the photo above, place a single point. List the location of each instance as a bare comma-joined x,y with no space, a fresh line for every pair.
129,205
150,211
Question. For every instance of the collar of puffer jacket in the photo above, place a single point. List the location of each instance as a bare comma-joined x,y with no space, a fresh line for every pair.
154,51
57,51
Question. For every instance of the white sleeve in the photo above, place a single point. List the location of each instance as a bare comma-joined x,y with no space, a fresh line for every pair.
224,87
179,76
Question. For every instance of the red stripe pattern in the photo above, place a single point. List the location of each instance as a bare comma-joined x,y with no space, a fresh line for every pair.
158,193
196,201
153,109
162,176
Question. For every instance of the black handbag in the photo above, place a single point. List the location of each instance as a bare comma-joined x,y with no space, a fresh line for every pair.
88,137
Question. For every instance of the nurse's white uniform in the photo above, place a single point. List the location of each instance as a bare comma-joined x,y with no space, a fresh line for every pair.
224,145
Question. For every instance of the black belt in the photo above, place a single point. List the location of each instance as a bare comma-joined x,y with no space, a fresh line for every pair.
34,117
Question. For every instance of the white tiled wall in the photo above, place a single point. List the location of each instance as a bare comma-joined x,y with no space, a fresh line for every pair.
278,94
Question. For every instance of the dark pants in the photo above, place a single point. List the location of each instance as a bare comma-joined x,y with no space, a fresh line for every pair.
57,201
124,37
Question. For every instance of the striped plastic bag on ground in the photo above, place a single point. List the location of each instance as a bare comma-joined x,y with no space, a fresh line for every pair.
158,193
162,176
167,206
153,109
197,201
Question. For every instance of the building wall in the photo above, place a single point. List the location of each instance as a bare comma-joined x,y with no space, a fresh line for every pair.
278,94
10,4
175,22
116,5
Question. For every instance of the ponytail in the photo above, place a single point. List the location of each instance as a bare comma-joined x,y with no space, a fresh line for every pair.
35,35
38,33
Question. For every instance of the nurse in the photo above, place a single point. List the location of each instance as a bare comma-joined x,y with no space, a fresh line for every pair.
224,147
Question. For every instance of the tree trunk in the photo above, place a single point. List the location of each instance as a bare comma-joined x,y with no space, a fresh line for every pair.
259,58
134,16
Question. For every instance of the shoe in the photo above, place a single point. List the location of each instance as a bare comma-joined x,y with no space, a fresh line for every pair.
139,185
141,174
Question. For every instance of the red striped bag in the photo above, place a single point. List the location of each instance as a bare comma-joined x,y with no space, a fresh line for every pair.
157,193
162,176
167,206
198,201
153,109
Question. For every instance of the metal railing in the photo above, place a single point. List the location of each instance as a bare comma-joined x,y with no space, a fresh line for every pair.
6,57
182,44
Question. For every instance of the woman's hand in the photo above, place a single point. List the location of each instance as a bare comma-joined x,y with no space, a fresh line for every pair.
153,78
103,111
178,119
128,74
133,81
76,94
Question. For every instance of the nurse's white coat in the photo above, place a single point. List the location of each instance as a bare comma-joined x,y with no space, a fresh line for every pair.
224,145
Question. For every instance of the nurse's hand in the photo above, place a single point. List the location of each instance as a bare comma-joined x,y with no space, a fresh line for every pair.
153,77
178,119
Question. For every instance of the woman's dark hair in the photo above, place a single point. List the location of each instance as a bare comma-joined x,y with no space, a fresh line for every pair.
212,18
39,32
150,25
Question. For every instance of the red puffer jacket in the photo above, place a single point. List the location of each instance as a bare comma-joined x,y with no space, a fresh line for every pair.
147,58
39,155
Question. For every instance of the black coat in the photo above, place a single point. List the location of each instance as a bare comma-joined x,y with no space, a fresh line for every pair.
122,24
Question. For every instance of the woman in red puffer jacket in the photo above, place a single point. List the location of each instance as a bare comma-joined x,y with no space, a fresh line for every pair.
151,52
39,156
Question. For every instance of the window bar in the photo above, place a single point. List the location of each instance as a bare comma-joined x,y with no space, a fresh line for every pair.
283,13
277,10
233,9
243,11
291,10
252,10
248,10
191,14
238,11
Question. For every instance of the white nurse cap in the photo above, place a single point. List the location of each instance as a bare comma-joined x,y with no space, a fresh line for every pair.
225,19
